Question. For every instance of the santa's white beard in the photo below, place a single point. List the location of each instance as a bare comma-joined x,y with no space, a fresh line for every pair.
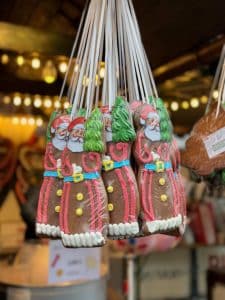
76,145
108,135
152,134
59,142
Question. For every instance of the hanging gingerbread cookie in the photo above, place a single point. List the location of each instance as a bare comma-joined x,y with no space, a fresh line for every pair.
47,221
84,215
117,173
159,186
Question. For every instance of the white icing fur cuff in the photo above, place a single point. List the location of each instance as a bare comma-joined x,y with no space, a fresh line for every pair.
123,229
47,229
87,239
164,225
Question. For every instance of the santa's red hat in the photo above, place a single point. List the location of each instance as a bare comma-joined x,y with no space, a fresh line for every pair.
148,111
75,122
61,121
105,109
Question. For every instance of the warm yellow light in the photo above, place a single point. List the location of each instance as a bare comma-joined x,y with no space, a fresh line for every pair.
37,101
204,99
49,73
194,102
86,81
4,59
76,68
66,104
57,104
6,99
27,101
102,72
31,121
17,100
63,67
20,60
23,121
15,120
215,94
39,122
166,104
185,104
35,63
47,102
174,106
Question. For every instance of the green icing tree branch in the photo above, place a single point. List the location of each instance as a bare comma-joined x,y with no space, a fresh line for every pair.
122,127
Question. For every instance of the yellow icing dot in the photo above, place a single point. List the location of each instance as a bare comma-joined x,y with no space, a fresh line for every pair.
79,212
57,209
162,181
59,192
163,197
80,196
110,189
110,207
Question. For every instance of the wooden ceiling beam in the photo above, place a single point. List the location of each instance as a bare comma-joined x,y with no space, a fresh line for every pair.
25,39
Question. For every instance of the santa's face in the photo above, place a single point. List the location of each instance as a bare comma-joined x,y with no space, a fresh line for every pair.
152,130
76,139
61,132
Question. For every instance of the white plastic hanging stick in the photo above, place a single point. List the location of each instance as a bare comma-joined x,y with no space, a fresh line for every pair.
216,77
220,89
73,50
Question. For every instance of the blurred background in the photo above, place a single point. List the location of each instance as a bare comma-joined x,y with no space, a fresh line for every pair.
183,41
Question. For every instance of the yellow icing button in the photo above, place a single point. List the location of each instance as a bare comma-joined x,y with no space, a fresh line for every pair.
110,207
79,196
57,209
59,192
163,197
162,181
79,212
110,189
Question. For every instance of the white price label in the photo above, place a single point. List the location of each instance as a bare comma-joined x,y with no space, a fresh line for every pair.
18,294
215,143
72,264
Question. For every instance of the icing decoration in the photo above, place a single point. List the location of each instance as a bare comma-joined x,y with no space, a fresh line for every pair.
93,132
57,209
82,181
119,175
47,222
122,128
159,180
110,207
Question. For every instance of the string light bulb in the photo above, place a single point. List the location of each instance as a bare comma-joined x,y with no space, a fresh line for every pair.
57,104
102,70
185,105
66,104
174,106
194,102
63,67
31,121
35,63
39,122
204,99
37,101
20,60
4,59
47,102
6,99
49,72
23,121
215,94
17,100
15,120
27,101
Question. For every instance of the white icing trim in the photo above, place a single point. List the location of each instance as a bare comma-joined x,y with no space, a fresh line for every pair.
47,229
163,225
87,239
123,229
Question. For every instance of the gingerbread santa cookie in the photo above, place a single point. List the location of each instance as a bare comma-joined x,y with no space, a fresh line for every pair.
158,176
117,173
84,215
47,221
